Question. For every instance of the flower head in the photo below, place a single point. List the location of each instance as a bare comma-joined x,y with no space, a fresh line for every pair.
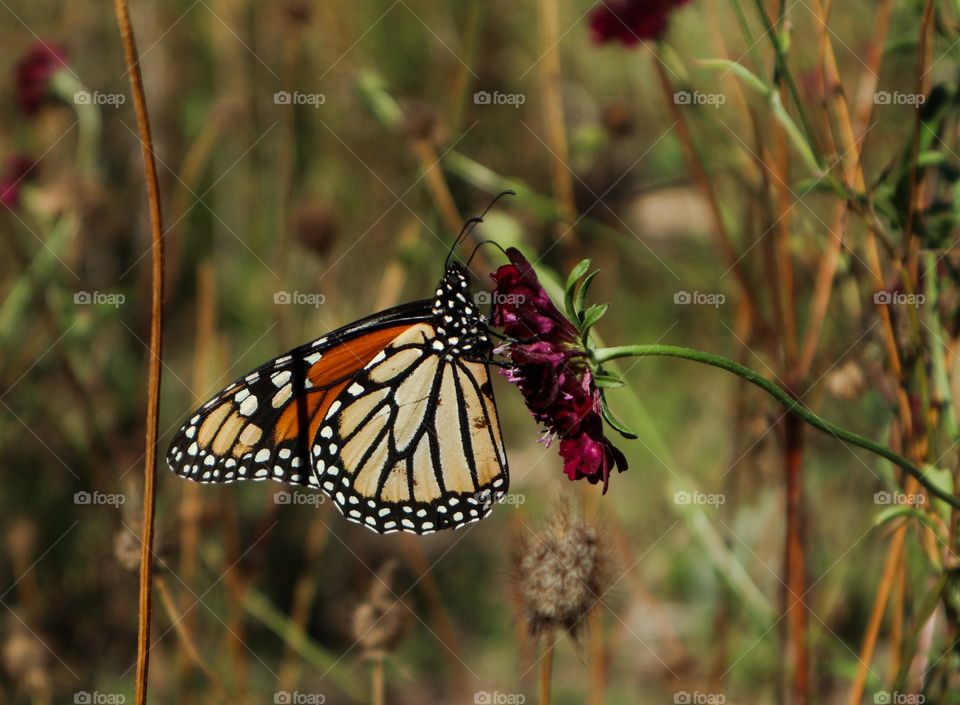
559,573
34,72
631,21
523,308
551,369
17,169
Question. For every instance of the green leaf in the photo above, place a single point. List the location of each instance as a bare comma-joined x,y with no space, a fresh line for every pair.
614,422
591,316
607,380
745,74
891,513
576,274
772,98
581,296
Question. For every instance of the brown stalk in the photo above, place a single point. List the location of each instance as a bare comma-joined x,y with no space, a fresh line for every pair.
122,12
545,679
304,594
597,684
191,502
236,588
894,558
551,79
699,174
439,617
794,546
189,647
822,290
854,177
378,680
437,185
440,193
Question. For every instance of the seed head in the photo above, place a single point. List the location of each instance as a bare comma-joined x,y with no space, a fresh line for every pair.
560,573
380,621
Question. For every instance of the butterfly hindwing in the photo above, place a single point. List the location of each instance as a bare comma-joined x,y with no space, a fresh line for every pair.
413,444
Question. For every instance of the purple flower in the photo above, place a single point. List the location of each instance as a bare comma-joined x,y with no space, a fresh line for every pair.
17,169
589,454
34,72
522,307
550,369
631,21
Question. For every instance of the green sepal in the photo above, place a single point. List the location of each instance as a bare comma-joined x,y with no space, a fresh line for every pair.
614,422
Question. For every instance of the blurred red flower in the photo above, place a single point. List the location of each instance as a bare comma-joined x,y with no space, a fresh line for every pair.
17,169
551,371
33,73
631,21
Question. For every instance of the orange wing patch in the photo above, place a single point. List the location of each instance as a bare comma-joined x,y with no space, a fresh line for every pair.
329,376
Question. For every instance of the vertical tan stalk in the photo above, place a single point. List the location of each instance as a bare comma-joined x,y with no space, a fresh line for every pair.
699,175
189,647
546,669
156,348
378,680
598,660
551,79
191,501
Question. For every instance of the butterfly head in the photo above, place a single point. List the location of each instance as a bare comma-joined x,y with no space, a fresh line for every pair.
461,326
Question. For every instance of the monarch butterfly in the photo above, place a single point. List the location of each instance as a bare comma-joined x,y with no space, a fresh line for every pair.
392,417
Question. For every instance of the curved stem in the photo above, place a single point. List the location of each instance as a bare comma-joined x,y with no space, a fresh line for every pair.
781,395
122,11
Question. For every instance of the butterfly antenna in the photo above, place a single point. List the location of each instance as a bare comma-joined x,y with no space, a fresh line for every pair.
472,223
463,231
481,244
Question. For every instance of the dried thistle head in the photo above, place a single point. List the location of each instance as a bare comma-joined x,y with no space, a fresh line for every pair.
316,226
26,660
381,620
847,381
560,573
22,539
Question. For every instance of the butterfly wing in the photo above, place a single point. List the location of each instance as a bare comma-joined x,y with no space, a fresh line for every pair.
393,417
413,442
262,425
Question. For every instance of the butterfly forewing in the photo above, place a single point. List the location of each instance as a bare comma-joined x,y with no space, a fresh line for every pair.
262,425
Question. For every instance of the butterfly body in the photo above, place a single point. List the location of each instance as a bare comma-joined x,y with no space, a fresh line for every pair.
392,417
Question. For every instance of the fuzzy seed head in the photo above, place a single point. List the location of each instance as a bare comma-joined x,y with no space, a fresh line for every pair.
380,621
560,574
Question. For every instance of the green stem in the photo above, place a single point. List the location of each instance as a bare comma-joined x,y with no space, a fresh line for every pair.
781,395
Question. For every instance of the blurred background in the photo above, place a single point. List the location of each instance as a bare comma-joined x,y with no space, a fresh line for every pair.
316,160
